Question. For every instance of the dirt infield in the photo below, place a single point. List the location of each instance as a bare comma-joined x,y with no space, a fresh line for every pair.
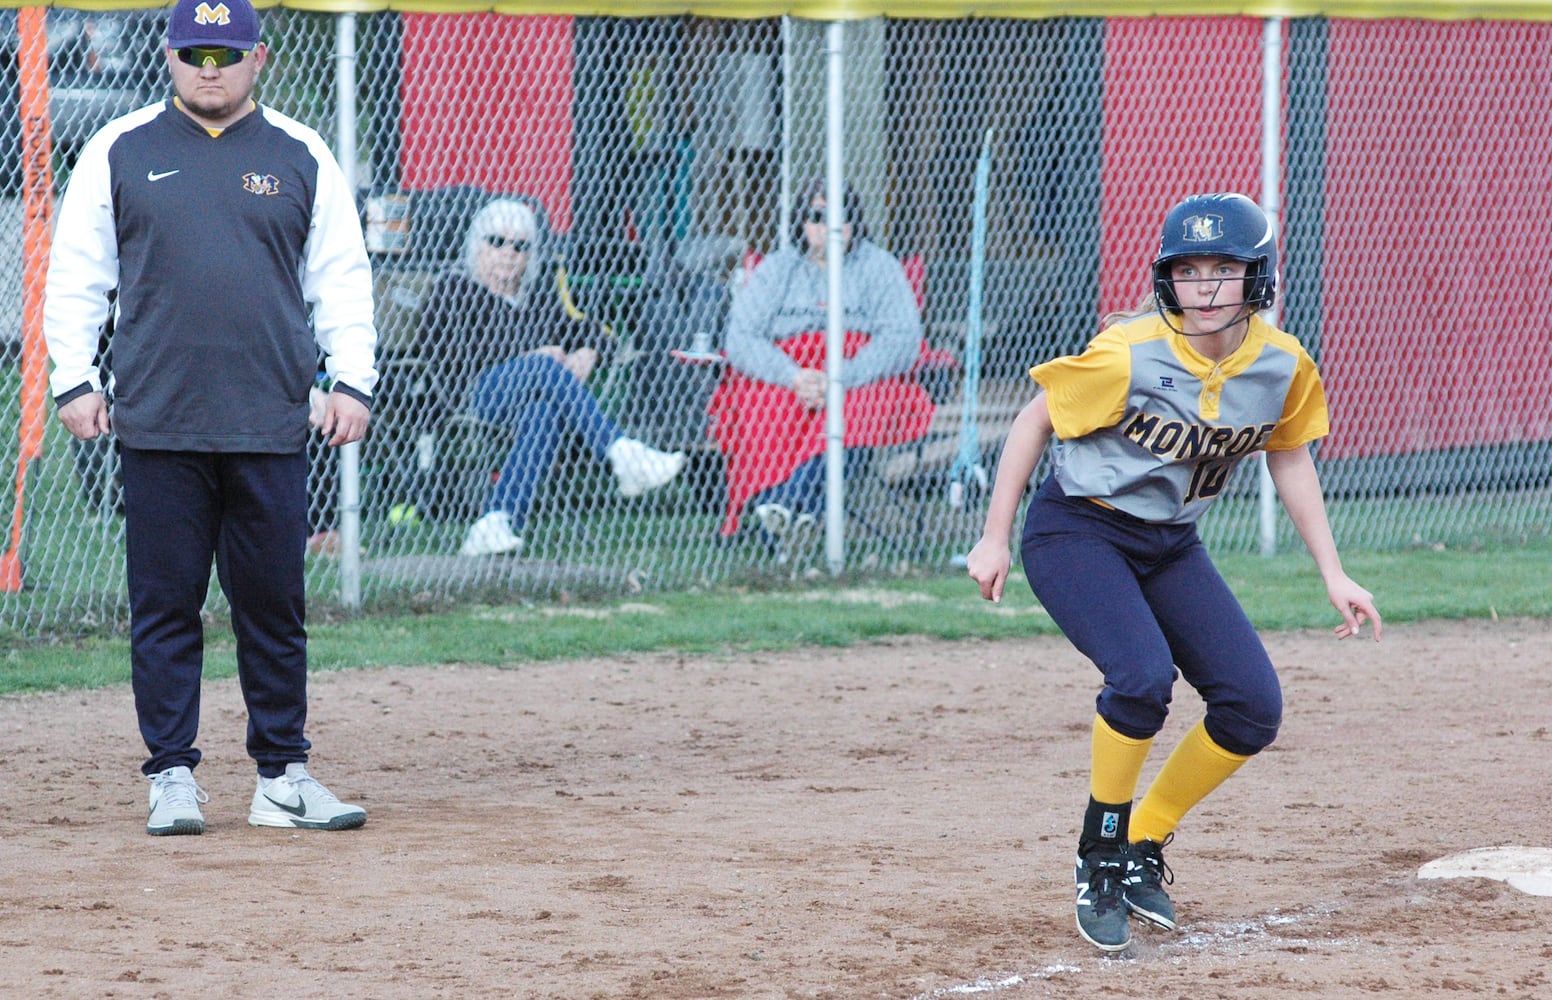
896,820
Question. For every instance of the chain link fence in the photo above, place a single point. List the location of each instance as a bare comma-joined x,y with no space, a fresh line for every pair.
660,160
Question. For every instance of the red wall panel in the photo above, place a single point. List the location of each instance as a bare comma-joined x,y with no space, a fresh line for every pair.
1438,212
487,102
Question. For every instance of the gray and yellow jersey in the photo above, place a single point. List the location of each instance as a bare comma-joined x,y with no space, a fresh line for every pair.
1150,427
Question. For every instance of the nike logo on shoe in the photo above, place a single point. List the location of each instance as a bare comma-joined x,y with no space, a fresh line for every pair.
299,810
153,176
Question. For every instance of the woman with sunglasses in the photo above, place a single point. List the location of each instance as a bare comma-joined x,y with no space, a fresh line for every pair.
767,415
504,343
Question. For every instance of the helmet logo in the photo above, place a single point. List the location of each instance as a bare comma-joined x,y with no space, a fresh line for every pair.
1203,228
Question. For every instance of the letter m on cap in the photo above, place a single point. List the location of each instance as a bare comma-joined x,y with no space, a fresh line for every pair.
206,14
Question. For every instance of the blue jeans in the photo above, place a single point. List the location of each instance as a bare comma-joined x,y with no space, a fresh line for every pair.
541,403
803,492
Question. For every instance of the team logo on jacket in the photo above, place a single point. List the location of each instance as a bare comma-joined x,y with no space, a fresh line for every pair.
206,14
261,183
1203,228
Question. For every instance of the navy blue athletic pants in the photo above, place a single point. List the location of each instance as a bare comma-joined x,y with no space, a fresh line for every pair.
1140,599
248,512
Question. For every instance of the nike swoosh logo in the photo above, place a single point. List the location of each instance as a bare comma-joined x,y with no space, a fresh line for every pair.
152,175
300,809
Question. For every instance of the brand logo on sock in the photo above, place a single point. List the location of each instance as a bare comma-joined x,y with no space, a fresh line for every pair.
1111,825
300,809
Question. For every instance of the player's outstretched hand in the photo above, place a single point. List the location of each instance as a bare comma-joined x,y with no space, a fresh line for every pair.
1356,606
988,565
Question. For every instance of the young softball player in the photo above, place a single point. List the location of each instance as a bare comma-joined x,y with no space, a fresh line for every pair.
1149,422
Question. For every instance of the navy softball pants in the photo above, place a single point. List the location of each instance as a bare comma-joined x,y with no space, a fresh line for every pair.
248,512
1140,600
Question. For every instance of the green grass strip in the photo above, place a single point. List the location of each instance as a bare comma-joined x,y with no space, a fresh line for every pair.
1283,592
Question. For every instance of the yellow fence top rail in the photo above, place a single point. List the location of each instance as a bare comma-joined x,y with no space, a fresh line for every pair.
852,10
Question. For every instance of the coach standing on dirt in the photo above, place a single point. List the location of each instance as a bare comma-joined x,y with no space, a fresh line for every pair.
232,240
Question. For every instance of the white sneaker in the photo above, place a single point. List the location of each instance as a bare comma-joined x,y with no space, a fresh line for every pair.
296,799
778,519
491,535
175,800
638,468
775,518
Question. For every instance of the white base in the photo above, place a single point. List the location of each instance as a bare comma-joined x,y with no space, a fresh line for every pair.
1528,869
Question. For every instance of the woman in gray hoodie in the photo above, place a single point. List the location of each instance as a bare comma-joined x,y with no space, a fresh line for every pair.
768,413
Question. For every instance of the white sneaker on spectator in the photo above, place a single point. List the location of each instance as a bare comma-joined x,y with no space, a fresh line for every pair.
175,799
297,799
775,518
801,539
491,535
778,519
638,468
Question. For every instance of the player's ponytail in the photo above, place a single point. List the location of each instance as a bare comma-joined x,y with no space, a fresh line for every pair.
1147,307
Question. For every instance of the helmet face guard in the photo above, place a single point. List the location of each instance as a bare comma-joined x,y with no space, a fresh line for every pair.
1230,226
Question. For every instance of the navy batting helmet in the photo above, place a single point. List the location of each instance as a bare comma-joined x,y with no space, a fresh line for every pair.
1219,225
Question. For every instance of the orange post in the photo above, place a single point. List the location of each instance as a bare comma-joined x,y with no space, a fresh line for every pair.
37,209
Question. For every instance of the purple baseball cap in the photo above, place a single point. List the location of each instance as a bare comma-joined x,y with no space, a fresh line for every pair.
231,24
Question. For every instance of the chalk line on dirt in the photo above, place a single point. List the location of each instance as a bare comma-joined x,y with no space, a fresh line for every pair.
1235,938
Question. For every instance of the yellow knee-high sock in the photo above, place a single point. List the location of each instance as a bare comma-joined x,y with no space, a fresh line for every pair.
1116,764
1197,766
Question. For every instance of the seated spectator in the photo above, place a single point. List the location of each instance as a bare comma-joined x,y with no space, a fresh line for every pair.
767,415
503,344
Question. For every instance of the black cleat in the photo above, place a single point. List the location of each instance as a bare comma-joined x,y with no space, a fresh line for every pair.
1146,878
1101,878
